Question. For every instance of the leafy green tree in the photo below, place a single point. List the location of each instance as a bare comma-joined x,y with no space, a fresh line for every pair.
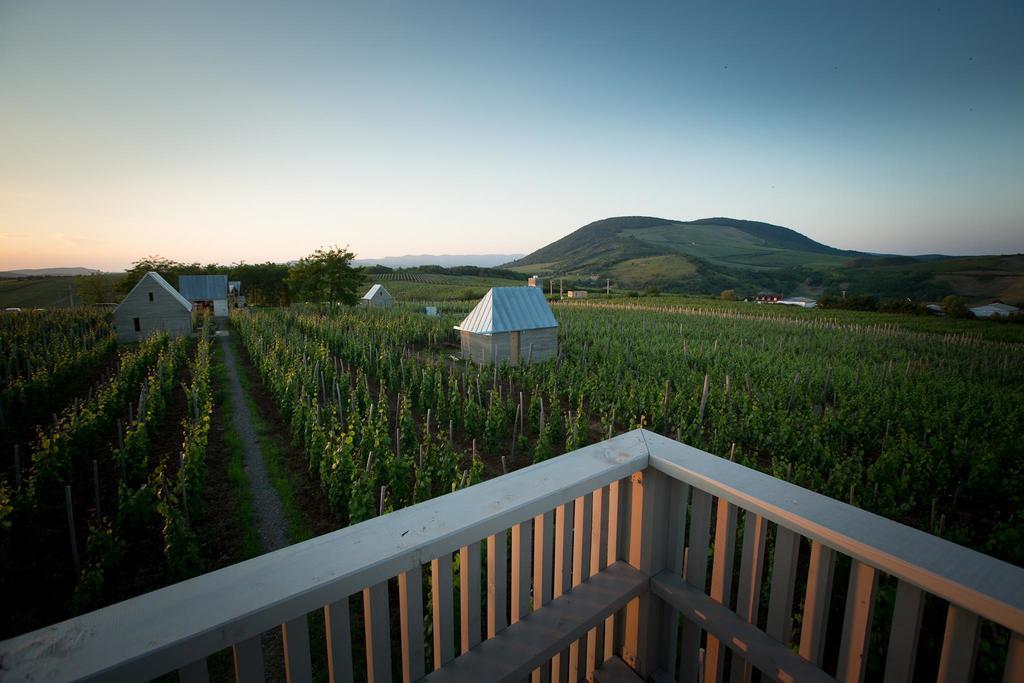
263,283
728,295
954,307
326,275
164,267
96,288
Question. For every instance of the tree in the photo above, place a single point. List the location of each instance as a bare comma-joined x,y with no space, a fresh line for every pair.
96,288
164,267
326,275
954,307
728,295
263,283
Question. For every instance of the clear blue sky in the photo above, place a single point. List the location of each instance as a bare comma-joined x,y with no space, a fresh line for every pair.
218,131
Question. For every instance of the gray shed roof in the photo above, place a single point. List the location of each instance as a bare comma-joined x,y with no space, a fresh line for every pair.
203,287
997,308
372,292
160,282
506,309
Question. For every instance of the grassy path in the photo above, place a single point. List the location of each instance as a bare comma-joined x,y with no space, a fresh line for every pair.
266,504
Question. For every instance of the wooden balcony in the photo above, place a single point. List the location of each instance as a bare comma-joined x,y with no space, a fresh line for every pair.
576,568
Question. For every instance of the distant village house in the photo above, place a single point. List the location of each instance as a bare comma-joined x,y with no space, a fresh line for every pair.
206,292
801,301
767,298
577,294
152,306
994,310
377,297
536,281
510,325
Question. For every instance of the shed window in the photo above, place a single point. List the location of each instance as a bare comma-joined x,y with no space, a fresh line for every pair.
151,296
138,325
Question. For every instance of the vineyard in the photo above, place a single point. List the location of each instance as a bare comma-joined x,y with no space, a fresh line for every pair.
105,499
917,425
428,287
43,351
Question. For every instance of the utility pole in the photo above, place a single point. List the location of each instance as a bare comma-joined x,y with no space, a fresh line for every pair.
560,295
608,286
71,296
844,293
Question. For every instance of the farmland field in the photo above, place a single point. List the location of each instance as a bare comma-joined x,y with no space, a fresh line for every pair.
913,418
115,459
915,426
47,292
899,422
433,288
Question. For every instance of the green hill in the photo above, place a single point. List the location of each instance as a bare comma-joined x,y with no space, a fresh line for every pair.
712,254
689,256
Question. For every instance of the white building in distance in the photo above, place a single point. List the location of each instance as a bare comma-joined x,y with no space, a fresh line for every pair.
152,306
377,297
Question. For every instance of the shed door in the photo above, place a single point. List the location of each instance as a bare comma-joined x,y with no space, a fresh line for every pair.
514,349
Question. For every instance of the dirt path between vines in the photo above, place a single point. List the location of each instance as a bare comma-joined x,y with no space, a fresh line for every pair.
265,502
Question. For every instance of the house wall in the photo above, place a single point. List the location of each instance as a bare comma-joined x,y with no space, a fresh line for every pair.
163,313
380,300
485,349
220,308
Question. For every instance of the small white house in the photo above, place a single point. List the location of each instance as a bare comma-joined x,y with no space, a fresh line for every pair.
801,301
152,306
377,297
206,292
994,310
577,294
510,325
430,310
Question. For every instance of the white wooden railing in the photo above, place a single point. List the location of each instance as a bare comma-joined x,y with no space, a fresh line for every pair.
566,568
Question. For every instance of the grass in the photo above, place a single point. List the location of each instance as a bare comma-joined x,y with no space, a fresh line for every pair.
274,448
45,292
455,289
653,270
243,513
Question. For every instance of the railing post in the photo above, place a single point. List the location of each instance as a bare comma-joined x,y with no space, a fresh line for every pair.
648,533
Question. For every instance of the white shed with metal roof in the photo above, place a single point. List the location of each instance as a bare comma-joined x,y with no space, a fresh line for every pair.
510,325
994,310
377,297
153,305
207,292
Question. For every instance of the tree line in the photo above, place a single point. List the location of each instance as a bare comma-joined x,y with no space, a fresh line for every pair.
326,275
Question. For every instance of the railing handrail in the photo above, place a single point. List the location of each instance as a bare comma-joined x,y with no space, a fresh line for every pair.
980,583
154,633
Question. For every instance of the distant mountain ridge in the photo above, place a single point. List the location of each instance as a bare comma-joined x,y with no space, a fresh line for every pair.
446,260
708,255
48,272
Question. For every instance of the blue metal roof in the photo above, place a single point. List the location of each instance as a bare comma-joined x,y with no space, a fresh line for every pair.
203,287
507,309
